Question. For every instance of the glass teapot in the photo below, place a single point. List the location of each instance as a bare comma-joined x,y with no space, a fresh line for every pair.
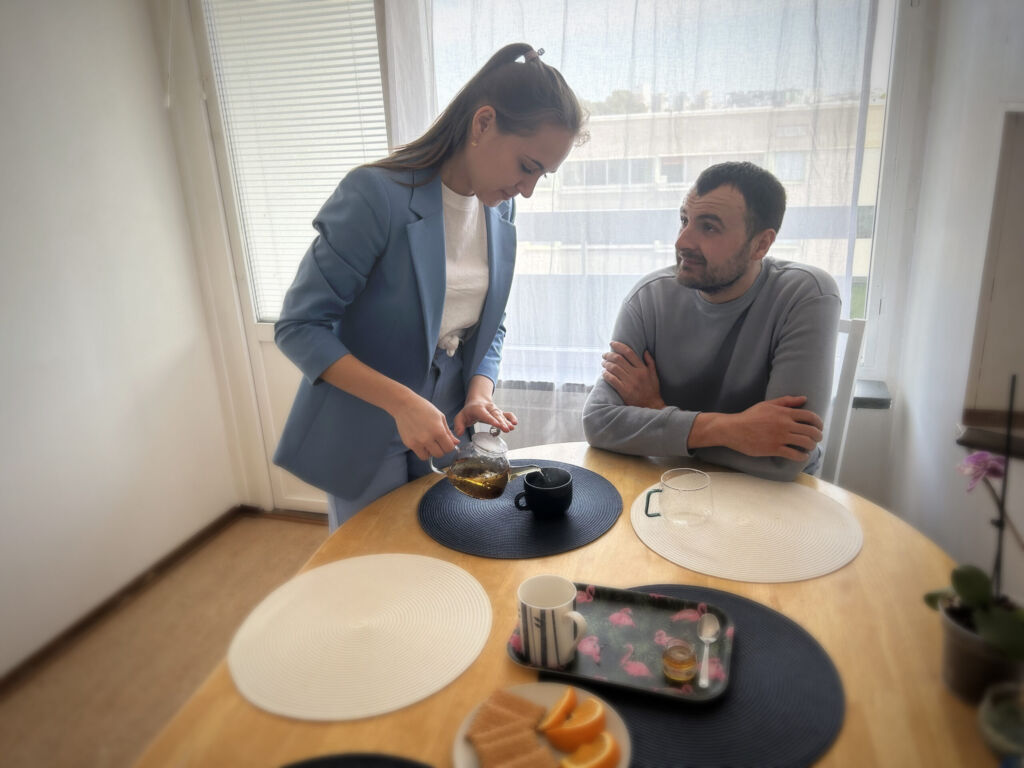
481,467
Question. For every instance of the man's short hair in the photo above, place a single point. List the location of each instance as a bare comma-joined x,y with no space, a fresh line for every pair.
763,193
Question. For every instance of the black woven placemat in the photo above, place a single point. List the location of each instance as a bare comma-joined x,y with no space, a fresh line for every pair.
366,760
495,528
784,705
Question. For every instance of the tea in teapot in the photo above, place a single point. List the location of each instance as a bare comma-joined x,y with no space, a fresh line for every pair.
481,467
478,479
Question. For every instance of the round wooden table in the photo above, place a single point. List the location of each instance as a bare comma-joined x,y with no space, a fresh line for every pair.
869,616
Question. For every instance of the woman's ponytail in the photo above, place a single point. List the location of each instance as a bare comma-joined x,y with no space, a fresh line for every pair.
524,94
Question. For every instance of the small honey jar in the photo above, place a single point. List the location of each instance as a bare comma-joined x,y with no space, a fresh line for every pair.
679,663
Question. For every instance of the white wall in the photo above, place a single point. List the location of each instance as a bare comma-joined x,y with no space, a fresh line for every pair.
113,447
977,75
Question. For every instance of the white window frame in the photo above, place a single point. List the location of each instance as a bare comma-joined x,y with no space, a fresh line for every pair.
896,200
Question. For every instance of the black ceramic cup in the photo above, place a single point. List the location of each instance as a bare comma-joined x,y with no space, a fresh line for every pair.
548,492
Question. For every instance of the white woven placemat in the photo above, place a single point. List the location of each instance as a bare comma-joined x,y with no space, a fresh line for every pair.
360,637
761,531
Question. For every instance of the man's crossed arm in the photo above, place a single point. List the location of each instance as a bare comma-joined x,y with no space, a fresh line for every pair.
776,427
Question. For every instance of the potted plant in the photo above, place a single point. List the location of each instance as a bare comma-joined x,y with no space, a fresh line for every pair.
983,628
983,634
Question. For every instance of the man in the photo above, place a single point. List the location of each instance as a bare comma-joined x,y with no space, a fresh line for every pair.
727,356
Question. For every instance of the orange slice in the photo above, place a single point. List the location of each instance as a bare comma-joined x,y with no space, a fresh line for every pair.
584,724
560,711
602,752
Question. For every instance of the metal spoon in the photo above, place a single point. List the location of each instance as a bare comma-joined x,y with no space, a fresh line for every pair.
707,630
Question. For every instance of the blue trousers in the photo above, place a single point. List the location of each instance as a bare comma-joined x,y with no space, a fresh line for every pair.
445,389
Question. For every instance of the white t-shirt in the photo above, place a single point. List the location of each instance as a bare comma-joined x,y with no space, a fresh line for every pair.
465,250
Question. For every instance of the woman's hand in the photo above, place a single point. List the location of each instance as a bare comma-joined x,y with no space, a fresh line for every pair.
423,429
480,407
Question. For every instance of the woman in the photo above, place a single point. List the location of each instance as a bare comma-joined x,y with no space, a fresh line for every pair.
396,313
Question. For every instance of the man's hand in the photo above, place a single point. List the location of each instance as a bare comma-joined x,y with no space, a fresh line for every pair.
776,427
636,381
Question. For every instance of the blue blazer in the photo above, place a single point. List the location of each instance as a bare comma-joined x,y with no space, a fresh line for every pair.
373,284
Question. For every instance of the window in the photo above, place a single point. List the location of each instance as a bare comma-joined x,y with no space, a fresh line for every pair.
790,166
614,171
641,170
298,86
573,174
618,171
596,173
302,102
673,170
790,94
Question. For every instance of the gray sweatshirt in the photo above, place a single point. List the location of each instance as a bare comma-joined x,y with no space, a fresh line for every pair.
777,339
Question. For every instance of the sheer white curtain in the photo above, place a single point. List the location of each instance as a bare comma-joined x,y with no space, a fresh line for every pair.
673,86
410,92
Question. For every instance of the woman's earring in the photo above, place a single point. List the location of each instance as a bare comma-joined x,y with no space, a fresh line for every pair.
475,143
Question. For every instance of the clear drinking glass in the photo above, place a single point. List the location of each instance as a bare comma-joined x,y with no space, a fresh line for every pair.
685,497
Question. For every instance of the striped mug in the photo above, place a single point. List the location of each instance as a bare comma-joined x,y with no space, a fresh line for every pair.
549,626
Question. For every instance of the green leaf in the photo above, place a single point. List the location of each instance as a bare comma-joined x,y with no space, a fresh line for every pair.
1002,629
937,597
972,586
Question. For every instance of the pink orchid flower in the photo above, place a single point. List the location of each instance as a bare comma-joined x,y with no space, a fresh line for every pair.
982,464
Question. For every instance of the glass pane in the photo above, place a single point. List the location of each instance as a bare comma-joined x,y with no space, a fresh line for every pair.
298,86
673,169
618,171
672,88
641,170
572,174
597,172
791,166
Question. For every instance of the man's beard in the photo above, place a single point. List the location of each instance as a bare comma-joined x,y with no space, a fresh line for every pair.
714,279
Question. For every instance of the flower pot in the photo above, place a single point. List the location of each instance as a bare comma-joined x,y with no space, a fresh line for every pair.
969,664
1001,716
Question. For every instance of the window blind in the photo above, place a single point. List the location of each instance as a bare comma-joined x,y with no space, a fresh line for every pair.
298,85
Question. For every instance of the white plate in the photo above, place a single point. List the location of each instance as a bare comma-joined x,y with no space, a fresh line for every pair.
545,694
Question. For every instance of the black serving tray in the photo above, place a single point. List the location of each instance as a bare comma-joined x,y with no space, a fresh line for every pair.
627,632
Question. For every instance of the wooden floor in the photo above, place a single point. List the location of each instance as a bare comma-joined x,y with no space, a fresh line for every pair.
99,697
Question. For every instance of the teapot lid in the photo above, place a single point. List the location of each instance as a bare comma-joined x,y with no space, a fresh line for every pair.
490,441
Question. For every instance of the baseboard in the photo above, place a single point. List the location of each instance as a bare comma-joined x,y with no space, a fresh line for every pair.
293,515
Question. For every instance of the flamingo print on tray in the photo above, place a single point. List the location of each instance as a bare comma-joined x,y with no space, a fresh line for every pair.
663,639
633,668
687,614
589,646
622,617
715,669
